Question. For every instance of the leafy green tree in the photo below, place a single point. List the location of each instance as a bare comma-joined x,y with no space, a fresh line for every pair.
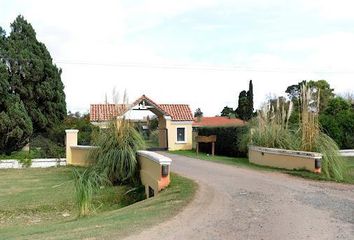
198,113
338,122
227,112
326,92
34,77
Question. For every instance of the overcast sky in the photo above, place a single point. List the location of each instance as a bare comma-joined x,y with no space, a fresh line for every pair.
199,52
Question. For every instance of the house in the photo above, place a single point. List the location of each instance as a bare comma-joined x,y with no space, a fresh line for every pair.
175,120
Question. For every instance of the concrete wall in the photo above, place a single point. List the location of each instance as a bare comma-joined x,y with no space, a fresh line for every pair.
36,163
80,155
347,152
151,165
173,144
286,159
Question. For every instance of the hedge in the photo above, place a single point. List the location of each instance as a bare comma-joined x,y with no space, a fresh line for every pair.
228,140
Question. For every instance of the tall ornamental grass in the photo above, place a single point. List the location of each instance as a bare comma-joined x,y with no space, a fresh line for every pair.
114,162
270,129
314,140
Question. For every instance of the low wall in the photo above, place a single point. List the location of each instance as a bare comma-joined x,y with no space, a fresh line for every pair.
347,152
80,155
154,171
286,159
36,163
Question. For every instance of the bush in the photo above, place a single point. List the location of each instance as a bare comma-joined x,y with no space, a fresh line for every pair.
228,140
73,121
114,162
47,148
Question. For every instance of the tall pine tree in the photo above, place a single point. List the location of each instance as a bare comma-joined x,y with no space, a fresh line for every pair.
34,77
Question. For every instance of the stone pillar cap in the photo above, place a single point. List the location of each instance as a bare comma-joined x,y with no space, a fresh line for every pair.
71,131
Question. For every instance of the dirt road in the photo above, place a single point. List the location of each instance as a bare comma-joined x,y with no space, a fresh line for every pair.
237,203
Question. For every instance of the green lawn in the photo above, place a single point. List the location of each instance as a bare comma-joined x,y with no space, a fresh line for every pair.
243,162
39,204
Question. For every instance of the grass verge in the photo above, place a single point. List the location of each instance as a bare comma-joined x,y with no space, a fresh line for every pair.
39,204
243,162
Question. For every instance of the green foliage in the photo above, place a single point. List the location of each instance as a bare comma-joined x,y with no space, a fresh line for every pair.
245,103
270,128
74,121
270,132
338,122
116,152
114,162
86,184
153,123
34,77
46,147
227,112
228,140
326,92
15,124
198,113
32,94
154,137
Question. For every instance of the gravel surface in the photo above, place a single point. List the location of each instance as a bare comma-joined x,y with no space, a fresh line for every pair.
237,203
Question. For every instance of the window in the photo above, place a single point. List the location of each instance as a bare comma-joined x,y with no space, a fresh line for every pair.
181,134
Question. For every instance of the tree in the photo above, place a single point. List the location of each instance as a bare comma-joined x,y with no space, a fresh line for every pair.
338,122
227,112
326,92
250,99
245,103
15,124
198,113
34,77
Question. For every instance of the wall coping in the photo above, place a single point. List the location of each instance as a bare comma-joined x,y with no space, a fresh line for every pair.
286,152
83,147
71,131
35,160
158,158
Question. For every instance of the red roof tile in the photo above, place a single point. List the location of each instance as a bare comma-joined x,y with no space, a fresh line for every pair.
178,112
105,112
217,122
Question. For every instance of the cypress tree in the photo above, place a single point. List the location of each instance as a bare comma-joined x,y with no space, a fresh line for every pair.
245,103
15,124
250,100
34,77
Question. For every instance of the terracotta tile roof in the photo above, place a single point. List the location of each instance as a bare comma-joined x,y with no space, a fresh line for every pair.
105,112
217,122
178,112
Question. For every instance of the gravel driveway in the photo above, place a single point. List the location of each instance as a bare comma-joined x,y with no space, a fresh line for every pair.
237,203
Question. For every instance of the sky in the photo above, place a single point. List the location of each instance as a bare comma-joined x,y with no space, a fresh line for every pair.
196,52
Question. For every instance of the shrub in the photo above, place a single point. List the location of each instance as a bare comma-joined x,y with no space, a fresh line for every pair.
228,140
47,148
114,162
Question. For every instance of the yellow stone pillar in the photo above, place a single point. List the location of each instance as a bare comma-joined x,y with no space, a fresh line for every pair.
71,140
